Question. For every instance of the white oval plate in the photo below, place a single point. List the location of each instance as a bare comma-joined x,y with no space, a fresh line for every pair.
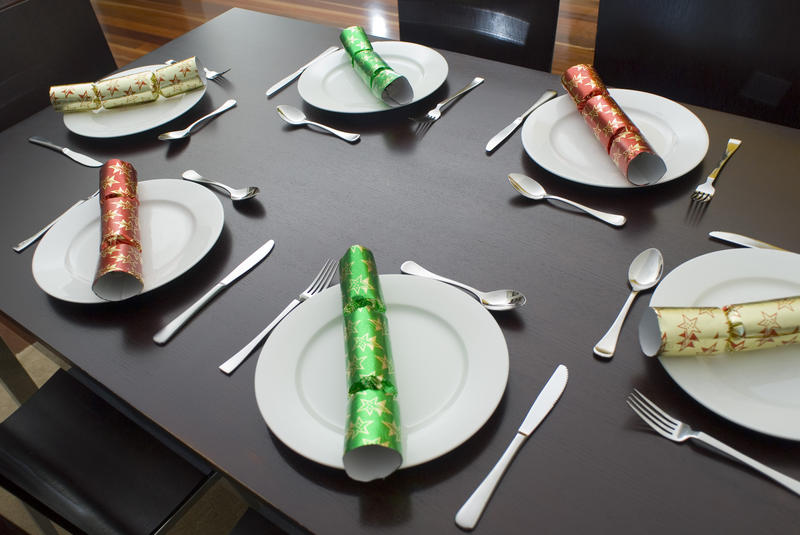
127,120
179,222
450,357
556,137
331,84
759,390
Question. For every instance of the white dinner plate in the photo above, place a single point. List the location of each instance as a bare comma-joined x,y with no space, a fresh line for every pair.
451,364
759,390
331,84
179,222
556,137
127,120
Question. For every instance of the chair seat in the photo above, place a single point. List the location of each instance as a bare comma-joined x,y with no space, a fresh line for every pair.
67,451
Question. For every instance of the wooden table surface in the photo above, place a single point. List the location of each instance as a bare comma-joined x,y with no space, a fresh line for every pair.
439,199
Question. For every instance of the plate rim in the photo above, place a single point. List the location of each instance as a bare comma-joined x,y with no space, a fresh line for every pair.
216,218
377,45
675,366
71,118
265,371
531,147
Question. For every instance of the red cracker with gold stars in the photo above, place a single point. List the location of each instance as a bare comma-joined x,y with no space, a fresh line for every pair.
731,328
119,270
615,131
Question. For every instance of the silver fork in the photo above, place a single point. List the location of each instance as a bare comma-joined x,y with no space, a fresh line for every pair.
24,244
211,75
677,431
704,191
435,113
320,282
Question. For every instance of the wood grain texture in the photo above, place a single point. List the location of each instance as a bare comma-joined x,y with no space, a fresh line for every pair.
135,28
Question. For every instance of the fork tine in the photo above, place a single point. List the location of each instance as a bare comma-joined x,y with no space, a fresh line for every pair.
326,279
669,420
633,404
319,276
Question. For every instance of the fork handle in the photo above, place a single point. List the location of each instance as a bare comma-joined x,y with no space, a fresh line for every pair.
733,144
230,365
474,83
786,481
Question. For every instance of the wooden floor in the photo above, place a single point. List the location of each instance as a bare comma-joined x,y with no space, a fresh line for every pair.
135,27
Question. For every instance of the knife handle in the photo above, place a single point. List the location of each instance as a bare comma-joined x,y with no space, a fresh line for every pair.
44,143
163,336
467,517
24,244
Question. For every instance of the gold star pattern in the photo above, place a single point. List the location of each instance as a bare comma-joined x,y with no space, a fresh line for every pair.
362,285
391,427
373,406
359,427
366,341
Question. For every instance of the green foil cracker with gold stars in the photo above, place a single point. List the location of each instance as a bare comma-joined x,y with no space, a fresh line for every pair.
372,445
383,81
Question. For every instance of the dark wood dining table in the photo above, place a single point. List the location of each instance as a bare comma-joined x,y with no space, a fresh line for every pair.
439,199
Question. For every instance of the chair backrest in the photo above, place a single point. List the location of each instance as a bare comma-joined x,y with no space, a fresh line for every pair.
732,55
520,33
44,43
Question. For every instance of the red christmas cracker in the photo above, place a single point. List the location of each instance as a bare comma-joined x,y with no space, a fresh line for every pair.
615,131
119,271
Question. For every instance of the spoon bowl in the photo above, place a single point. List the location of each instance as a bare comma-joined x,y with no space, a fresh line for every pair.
497,300
292,115
528,187
644,272
236,194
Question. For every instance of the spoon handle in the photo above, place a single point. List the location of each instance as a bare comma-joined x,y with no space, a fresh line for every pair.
347,136
612,219
412,268
226,106
608,343
204,180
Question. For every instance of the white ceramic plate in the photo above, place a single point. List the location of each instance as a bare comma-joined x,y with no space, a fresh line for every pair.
759,390
450,357
556,137
179,222
127,120
332,84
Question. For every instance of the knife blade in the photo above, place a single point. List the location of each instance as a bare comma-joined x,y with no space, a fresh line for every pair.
77,156
745,241
469,514
299,71
163,336
508,130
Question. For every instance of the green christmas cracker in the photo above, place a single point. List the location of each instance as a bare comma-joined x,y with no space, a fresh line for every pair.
372,445
386,84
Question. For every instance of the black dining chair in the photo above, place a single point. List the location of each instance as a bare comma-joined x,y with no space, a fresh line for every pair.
737,56
83,464
516,32
45,43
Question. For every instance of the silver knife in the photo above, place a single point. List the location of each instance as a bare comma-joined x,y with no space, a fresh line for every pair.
745,241
77,156
299,71
508,130
163,336
469,514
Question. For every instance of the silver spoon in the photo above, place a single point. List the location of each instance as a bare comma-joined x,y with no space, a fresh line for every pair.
533,190
239,194
292,115
495,300
186,132
644,273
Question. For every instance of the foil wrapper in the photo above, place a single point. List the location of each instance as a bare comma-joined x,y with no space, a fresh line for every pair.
127,90
178,78
119,269
75,97
386,84
131,89
622,140
731,328
372,445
